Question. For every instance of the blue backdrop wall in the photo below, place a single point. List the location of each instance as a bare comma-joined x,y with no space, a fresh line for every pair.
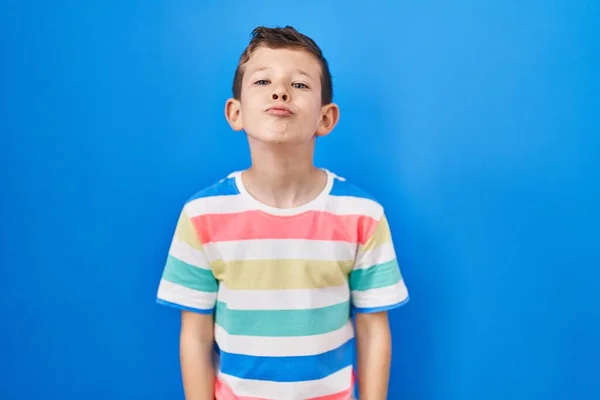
475,124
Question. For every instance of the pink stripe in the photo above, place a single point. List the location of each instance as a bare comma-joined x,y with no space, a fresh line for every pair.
312,225
224,392
343,395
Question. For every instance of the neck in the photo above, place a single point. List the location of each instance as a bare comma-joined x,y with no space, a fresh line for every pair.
283,176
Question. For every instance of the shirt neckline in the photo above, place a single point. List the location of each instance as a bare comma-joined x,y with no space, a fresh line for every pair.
313,204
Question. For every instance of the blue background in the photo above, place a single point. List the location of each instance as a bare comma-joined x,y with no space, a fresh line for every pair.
476,124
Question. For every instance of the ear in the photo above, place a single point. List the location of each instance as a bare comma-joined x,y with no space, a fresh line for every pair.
330,115
233,113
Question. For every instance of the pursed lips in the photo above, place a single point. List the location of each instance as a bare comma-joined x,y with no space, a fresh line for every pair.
279,111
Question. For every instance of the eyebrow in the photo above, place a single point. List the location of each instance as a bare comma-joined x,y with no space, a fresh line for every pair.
302,72
298,70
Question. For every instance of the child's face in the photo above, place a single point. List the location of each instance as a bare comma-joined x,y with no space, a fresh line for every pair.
281,98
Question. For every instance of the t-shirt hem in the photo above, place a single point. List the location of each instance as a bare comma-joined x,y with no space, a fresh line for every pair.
370,310
184,308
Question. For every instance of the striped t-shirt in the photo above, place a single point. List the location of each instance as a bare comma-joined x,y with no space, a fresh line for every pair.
282,284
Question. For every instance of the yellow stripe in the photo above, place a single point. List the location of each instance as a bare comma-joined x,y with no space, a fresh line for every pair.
186,232
380,236
281,274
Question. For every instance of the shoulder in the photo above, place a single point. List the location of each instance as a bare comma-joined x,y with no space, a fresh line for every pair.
353,199
214,196
225,186
342,187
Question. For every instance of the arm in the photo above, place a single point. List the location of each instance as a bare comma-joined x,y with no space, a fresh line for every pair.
188,283
377,286
374,348
196,350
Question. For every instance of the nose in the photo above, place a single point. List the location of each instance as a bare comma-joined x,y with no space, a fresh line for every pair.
280,93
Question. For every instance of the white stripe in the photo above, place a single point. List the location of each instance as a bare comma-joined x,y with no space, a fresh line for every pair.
174,293
186,253
380,297
378,255
282,249
229,204
333,383
350,205
286,299
282,346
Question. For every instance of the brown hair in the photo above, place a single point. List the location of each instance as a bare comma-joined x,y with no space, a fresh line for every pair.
280,38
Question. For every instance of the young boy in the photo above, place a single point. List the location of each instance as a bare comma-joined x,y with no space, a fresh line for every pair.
268,264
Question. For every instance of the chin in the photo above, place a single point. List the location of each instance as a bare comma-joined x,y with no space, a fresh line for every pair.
279,138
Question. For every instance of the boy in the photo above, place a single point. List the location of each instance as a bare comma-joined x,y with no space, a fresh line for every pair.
268,264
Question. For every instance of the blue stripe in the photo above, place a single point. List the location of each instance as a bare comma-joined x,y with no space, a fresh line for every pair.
225,187
344,188
288,369
185,308
380,309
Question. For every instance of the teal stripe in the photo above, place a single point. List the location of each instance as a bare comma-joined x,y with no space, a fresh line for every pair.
187,275
282,322
377,276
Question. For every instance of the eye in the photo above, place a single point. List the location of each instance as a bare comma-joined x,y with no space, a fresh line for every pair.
299,86
261,82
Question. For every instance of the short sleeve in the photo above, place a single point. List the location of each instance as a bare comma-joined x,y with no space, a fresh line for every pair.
376,283
187,281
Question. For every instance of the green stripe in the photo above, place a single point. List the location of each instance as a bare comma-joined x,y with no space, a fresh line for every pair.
187,275
282,322
377,276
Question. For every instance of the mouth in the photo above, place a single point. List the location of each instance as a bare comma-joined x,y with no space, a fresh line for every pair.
279,111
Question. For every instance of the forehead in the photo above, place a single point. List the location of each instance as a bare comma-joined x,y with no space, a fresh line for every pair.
287,59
